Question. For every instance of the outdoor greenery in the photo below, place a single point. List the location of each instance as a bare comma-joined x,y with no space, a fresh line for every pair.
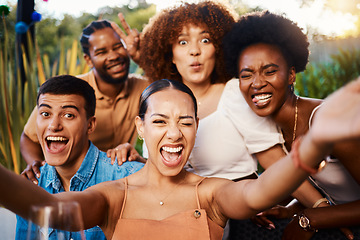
18,100
56,50
321,79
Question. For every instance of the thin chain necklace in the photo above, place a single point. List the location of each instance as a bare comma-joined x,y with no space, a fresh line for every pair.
296,118
162,200
203,96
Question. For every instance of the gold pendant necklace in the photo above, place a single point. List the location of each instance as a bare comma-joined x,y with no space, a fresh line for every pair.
296,118
162,200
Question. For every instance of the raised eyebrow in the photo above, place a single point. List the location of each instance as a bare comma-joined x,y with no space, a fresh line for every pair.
205,32
70,106
44,105
185,34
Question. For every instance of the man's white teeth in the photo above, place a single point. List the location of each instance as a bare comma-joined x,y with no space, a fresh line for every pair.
172,150
58,139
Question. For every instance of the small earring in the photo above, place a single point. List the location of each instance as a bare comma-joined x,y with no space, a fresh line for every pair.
140,138
292,87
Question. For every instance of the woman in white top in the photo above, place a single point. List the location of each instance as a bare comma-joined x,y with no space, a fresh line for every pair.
267,65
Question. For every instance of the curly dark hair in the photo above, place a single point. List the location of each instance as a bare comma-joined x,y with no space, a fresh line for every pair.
266,27
164,28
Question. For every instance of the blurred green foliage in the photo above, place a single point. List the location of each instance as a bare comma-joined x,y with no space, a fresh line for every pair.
321,79
17,99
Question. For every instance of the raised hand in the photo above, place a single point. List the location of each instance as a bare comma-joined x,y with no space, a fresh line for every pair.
32,171
339,116
131,38
124,152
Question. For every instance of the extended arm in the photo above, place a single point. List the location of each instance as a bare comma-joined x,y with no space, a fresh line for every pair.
15,189
305,193
337,120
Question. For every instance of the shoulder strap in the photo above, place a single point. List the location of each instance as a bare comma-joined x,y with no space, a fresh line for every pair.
125,196
197,194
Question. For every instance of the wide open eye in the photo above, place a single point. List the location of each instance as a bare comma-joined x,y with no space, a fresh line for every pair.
205,40
45,114
182,42
69,115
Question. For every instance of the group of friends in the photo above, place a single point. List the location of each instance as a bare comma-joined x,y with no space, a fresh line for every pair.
217,99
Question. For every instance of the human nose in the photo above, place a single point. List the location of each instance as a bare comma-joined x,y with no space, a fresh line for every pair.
194,49
113,55
173,133
258,81
55,124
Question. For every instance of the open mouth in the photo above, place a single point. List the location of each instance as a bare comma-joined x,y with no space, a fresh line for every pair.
57,143
261,98
116,65
171,155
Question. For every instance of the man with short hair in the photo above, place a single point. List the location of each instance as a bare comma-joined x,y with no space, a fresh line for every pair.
64,120
117,94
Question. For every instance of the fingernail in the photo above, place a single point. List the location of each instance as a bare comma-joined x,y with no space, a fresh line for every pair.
272,226
35,182
38,175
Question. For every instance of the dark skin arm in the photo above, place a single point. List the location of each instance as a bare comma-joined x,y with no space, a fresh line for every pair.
33,156
306,193
338,216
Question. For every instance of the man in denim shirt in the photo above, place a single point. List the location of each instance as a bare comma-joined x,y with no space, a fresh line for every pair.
66,107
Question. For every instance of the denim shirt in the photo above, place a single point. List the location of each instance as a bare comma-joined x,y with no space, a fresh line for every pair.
96,168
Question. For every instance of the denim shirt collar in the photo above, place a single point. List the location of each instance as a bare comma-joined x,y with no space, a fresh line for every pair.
82,175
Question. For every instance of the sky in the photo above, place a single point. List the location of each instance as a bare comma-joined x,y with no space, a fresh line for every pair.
327,22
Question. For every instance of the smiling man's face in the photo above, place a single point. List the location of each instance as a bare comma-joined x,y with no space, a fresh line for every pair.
62,128
108,56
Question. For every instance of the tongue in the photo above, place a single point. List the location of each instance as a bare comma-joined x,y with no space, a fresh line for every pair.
170,156
255,100
54,146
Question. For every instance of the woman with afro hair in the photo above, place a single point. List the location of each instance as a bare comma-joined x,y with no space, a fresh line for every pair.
265,51
184,43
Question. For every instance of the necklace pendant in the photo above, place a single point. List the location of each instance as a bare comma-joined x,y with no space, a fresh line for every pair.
161,203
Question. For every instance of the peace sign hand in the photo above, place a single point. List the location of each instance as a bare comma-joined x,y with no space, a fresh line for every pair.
131,38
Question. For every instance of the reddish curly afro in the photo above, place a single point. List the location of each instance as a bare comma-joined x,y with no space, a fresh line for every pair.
164,28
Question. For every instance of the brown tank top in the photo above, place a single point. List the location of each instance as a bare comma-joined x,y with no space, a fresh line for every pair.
191,224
